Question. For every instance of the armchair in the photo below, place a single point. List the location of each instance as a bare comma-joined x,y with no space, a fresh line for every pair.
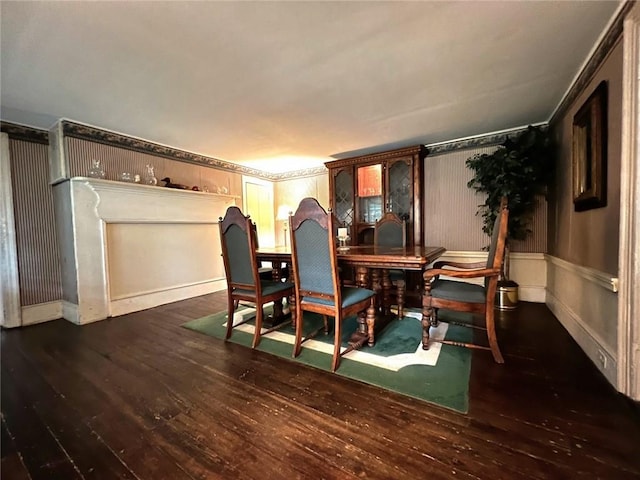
466,297
315,273
238,239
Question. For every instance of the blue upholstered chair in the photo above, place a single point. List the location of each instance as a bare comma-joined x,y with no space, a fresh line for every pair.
391,231
315,273
267,273
241,268
468,297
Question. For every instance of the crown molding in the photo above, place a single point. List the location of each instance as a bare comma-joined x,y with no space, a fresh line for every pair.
25,133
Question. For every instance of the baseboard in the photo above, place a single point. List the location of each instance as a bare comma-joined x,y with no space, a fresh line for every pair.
153,299
70,312
585,303
41,312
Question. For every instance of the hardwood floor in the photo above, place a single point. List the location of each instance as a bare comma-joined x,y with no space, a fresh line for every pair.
140,397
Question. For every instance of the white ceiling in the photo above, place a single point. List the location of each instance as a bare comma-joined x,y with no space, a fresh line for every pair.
282,86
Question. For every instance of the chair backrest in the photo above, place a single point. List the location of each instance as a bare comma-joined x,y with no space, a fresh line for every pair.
390,231
313,252
238,239
498,239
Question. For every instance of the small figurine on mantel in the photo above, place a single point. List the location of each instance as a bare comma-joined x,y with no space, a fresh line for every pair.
168,184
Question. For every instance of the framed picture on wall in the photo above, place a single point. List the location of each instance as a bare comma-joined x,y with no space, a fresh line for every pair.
590,152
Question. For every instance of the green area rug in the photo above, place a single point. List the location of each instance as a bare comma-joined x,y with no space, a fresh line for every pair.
397,362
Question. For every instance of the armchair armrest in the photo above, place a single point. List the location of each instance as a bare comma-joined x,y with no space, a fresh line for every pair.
433,273
445,263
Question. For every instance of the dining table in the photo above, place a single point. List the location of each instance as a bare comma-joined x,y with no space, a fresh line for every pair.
371,264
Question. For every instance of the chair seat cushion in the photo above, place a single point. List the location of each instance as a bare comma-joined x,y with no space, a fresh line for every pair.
350,296
268,287
458,291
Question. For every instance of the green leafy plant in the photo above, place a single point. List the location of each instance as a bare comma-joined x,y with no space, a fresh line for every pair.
520,169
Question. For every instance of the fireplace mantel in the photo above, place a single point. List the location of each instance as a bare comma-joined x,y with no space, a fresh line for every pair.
127,247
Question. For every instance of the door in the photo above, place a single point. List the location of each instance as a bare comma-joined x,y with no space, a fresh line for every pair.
258,203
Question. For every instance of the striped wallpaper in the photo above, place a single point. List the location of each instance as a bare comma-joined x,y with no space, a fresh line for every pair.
450,207
116,160
38,261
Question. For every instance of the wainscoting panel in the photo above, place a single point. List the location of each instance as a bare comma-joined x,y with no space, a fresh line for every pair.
585,302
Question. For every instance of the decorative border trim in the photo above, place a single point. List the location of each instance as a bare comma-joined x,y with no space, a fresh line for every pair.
475,142
396,153
27,134
603,49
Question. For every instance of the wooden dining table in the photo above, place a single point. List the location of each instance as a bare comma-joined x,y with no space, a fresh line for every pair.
371,264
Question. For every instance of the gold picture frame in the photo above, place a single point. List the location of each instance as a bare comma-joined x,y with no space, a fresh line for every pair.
590,152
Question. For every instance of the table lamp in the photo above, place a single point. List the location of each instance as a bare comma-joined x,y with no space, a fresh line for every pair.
283,215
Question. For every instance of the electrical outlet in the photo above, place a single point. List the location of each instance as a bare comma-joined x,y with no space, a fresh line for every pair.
602,359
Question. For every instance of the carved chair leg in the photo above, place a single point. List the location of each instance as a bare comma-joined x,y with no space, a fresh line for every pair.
425,332
400,289
427,313
291,300
326,324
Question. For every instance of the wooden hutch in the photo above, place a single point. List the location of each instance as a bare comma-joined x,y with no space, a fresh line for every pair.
363,188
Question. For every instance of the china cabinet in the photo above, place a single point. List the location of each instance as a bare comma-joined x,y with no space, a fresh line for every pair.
363,188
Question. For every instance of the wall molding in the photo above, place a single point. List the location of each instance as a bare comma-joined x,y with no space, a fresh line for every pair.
606,44
478,141
628,258
144,300
603,280
585,302
10,315
24,133
41,312
588,340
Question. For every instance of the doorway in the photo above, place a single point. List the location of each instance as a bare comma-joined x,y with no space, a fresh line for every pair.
258,203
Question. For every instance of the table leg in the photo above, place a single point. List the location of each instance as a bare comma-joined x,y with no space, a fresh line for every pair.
386,292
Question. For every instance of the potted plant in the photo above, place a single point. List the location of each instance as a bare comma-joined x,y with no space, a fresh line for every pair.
519,169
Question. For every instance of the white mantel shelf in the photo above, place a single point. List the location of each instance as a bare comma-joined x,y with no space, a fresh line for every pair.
136,246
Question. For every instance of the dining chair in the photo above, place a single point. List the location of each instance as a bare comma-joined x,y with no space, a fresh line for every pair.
238,239
391,231
317,284
267,272
467,297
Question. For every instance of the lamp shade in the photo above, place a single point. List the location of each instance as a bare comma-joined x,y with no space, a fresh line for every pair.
283,212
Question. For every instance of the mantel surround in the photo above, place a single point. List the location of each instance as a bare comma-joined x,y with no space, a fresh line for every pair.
127,247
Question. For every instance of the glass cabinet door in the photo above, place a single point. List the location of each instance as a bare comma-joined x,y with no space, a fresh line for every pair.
399,189
369,193
343,195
